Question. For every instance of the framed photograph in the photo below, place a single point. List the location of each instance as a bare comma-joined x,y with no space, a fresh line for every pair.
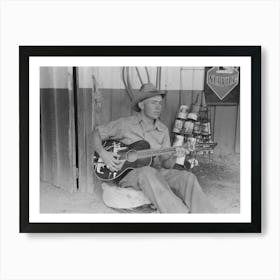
140,139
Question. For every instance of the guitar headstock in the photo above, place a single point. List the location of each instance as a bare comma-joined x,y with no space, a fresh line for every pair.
193,146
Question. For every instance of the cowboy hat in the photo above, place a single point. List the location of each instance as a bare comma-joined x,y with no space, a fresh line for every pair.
146,91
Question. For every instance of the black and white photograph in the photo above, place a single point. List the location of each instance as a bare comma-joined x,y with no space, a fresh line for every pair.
140,139
130,135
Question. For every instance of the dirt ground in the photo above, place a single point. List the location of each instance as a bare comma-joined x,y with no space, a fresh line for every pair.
219,179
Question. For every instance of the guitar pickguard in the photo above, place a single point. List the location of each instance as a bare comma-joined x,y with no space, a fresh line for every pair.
99,165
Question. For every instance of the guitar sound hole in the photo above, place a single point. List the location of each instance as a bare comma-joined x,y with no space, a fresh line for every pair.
131,156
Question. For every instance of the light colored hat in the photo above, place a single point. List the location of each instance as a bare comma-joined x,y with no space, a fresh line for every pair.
146,91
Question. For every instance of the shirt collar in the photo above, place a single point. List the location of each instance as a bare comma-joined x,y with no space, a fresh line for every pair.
157,123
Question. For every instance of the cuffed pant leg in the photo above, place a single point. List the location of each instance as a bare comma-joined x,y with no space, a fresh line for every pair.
156,188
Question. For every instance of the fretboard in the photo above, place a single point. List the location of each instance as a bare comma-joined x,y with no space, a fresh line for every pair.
151,152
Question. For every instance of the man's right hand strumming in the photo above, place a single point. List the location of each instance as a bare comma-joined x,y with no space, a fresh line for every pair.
111,160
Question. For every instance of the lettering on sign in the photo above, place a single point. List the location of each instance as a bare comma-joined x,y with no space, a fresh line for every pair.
222,80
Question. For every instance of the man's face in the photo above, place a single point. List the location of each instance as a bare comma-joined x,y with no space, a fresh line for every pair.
152,106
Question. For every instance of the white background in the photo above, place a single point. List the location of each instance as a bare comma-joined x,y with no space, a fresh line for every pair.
139,256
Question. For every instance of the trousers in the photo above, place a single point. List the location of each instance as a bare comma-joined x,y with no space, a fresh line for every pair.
170,190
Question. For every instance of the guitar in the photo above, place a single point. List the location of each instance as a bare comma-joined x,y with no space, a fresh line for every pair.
136,155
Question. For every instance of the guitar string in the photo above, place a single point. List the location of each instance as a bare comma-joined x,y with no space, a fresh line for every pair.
151,152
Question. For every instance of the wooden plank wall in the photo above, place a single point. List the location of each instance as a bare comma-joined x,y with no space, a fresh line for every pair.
57,129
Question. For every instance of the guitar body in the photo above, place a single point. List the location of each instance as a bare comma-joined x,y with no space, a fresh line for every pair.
125,153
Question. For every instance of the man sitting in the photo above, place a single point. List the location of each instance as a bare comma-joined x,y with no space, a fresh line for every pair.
170,190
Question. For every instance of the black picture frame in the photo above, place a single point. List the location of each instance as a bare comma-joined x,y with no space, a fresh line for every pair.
254,52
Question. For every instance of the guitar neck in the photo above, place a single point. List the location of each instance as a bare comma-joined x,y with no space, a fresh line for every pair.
151,152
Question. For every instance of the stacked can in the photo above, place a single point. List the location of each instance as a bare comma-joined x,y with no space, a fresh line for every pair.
178,129
180,119
189,124
189,128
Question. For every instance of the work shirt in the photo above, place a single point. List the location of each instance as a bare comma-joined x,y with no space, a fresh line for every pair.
134,128
131,129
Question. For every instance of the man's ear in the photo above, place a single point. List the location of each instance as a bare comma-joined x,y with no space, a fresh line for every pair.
141,105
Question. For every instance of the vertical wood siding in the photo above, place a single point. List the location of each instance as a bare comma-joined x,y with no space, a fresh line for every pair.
57,155
48,130
57,150
86,151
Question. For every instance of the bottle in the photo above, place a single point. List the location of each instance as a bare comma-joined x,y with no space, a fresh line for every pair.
197,130
183,112
205,126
